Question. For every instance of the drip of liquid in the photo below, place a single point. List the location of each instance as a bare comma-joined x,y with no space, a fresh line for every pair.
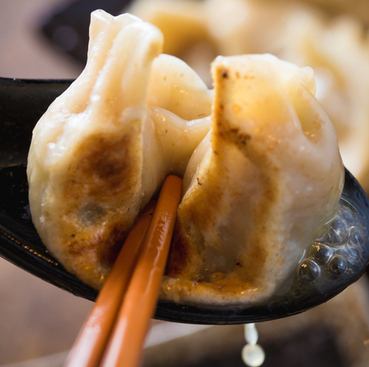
252,353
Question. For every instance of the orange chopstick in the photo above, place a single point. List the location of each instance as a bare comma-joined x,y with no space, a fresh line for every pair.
90,344
128,336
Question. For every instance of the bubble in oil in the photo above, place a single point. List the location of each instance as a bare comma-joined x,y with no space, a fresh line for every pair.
309,270
321,253
338,265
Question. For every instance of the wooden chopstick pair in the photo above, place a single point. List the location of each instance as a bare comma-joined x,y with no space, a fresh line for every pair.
114,333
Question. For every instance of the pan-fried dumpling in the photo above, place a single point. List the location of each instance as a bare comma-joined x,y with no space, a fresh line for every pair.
96,158
259,188
262,172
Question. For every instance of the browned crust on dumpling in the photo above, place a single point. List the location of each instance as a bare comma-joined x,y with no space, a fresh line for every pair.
95,187
237,241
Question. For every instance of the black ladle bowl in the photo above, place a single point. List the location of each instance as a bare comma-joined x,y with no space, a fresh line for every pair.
332,263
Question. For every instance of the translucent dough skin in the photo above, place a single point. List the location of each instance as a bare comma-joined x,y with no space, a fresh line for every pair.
98,154
256,197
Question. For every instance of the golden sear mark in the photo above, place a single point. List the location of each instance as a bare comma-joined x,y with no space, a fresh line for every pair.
94,224
191,258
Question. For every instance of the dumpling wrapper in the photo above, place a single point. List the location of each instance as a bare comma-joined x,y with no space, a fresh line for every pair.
96,159
259,189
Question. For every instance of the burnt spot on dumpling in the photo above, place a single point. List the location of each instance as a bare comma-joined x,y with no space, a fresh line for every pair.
104,165
94,220
114,240
178,255
91,213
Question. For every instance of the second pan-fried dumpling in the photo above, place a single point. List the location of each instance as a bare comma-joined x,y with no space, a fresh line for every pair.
259,188
101,150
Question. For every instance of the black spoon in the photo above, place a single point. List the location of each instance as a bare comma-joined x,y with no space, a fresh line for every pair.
330,265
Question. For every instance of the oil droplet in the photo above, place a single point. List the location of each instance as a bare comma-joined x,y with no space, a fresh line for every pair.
321,253
253,355
338,265
309,270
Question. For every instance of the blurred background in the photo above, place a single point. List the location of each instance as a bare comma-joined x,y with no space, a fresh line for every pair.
38,322
36,318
